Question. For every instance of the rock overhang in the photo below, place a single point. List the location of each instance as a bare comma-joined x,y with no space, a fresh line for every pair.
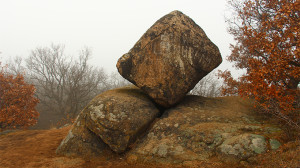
170,59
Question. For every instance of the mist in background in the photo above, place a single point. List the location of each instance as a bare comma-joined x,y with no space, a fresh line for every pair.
108,28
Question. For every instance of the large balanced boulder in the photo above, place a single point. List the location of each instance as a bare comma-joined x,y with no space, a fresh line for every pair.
112,120
170,59
199,129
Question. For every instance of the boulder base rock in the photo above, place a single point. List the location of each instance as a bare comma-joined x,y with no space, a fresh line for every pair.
200,128
112,120
170,59
80,141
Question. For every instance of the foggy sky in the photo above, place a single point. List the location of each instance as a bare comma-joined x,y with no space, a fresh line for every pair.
109,28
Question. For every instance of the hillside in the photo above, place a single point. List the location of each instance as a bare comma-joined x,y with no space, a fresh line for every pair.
36,148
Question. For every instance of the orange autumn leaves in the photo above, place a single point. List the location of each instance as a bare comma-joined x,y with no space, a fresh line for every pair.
267,48
17,102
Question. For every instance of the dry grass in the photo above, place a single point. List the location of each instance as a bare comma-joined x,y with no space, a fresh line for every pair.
36,148
288,156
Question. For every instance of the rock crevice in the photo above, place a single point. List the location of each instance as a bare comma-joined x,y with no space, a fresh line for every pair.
156,121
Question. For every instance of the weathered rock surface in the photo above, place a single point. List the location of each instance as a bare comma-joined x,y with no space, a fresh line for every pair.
170,59
80,141
243,146
119,116
114,118
200,128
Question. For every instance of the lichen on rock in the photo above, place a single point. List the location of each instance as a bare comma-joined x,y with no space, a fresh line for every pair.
184,133
165,64
170,59
115,118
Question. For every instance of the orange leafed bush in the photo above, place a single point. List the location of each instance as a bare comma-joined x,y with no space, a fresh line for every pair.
17,102
267,48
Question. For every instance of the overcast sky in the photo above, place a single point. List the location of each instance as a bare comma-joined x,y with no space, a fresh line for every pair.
110,28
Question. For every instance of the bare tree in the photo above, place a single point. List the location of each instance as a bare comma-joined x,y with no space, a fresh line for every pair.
14,66
209,86
116,80
64,85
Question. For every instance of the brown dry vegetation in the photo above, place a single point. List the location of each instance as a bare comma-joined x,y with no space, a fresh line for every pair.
36,148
